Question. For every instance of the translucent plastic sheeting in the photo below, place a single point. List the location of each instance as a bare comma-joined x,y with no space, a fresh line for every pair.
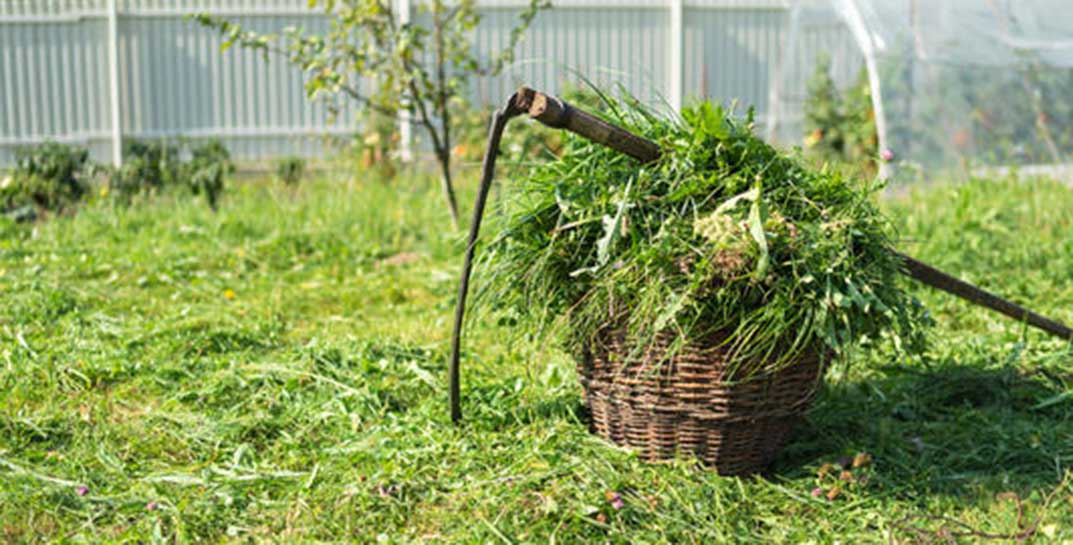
957,84
816,34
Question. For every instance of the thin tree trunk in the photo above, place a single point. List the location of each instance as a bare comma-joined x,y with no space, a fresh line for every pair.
444,159
443,151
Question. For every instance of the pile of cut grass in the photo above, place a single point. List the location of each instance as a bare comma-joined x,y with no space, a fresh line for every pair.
724,234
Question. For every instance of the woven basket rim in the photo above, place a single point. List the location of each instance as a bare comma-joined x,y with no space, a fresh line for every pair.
701,347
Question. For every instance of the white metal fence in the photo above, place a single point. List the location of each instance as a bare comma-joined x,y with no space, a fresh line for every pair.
96,71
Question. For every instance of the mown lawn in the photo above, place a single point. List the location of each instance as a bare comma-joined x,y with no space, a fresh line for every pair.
276,372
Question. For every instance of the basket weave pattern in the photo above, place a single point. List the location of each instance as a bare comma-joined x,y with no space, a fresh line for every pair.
683,405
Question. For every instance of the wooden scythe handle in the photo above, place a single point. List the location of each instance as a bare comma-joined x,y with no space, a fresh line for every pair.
926,274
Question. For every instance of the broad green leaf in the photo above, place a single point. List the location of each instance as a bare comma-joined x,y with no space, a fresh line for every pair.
752,195
603,246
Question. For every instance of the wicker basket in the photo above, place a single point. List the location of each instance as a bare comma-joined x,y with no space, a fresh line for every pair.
684,406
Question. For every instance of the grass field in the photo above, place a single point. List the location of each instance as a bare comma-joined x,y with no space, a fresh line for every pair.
276,372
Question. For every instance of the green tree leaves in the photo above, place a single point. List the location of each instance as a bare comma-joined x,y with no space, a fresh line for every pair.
370,56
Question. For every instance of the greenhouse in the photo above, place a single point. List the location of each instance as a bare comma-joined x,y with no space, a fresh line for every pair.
955,85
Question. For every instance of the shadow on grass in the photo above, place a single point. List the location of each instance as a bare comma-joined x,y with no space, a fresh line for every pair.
957,427
948,429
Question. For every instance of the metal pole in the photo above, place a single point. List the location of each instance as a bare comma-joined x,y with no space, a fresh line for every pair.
778,72
488,168
113,80
406,135
677,58
852,15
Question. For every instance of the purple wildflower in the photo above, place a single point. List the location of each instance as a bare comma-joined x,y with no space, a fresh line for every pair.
615,499
817,492
151,506
82,490
886,155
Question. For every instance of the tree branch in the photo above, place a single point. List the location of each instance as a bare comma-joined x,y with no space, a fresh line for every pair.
368,102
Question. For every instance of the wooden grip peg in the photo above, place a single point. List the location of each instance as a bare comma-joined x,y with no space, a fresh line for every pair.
558,114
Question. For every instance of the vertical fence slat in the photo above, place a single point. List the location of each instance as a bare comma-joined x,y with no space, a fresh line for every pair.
676,58
113,83
8,61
